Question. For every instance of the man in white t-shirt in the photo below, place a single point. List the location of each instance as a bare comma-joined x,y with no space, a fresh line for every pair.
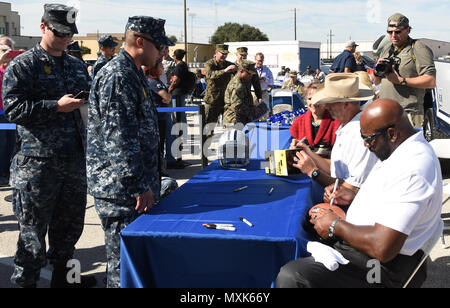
351,162
393,215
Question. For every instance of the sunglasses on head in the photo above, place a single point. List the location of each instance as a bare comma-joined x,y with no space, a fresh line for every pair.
154,42
59,34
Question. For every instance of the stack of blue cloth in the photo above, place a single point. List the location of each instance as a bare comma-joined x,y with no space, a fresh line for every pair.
285,118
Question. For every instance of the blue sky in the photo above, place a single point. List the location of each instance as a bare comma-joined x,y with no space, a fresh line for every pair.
358,20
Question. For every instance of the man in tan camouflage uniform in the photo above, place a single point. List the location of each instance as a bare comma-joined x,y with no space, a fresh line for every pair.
218,73
293,83
241,54
238,98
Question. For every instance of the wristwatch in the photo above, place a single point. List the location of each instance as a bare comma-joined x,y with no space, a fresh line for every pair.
315,174
331,228
403,83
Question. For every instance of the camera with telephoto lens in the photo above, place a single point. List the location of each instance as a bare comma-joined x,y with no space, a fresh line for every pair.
385,67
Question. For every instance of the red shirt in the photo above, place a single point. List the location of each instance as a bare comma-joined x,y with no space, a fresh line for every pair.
2,72
302,127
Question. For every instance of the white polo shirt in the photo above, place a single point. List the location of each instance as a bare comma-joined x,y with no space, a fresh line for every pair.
350,159
403,193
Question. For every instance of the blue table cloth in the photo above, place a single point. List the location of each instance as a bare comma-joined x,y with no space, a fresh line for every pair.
169,247
263,137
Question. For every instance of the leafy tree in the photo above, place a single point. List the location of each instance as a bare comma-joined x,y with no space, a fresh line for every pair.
85,50
234,32
173,38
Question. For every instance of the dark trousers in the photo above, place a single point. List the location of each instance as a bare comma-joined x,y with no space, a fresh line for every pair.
7,142
49,197
359,273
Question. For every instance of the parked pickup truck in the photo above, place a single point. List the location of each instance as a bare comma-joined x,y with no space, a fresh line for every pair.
437,112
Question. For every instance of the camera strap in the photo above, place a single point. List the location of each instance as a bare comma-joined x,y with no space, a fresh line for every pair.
395,53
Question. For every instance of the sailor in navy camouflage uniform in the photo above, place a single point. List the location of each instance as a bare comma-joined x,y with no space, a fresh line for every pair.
123,137
107,48
48,172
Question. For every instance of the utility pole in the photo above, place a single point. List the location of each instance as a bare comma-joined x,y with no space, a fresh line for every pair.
295,23
192,15
185,32
331,43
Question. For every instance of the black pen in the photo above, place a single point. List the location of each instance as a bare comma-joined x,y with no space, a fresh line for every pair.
220,227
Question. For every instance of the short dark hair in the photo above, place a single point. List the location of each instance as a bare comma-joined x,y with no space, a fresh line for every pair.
179,54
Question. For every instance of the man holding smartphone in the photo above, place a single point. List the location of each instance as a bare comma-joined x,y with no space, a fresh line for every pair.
48,172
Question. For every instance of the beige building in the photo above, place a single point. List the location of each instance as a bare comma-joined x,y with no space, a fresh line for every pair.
10,26
91,41
197,53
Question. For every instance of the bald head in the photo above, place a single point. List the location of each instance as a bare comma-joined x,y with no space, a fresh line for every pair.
381,113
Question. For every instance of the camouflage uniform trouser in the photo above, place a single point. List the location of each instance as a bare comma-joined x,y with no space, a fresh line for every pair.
49,195
213,111
115,215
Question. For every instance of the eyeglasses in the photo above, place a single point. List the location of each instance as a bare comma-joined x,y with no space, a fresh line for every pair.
394,31
369,139
59,34
154,42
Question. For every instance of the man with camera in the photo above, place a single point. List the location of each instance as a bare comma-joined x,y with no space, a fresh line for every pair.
405,69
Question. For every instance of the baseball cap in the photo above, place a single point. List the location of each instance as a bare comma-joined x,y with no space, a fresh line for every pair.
222,48
61,17
398,20
242,51
248,66
350,44
151,26
107,41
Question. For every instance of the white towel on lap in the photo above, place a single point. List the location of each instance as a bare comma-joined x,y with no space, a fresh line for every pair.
326,255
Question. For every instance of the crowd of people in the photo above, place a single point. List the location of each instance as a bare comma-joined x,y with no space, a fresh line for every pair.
347,136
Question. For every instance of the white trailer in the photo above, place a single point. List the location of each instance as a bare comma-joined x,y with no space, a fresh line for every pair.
437,111
295,55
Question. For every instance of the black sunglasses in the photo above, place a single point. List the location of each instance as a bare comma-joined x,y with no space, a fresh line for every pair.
394,31
154,42
369,139
59,34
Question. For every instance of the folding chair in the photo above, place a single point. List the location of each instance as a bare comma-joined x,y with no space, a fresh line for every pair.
427,247
282,100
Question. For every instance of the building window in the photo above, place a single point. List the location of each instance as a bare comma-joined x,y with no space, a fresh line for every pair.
2,30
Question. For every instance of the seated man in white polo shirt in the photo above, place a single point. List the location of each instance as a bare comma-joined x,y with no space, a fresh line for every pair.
351,162
393,215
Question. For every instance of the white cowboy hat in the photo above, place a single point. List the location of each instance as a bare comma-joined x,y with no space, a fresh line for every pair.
342,87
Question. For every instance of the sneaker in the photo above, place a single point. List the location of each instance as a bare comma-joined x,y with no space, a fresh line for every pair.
8,198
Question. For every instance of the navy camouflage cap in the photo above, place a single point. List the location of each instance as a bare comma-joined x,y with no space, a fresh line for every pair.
61,17
107,41
149,25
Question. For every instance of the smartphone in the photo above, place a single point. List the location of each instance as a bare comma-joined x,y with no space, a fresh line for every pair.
14,53
82,95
